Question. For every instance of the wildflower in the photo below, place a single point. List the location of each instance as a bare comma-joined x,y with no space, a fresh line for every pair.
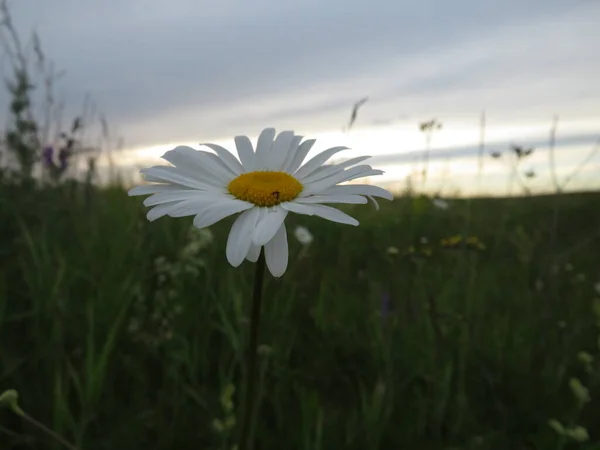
457,241
424,240
303,235
539,285
265,350
597,287
419,252
452,241
392,251
578,434
440,204
48,156
264,187
521,152
557,426
580,392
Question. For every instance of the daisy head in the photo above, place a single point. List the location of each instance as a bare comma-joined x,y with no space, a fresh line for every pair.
263,185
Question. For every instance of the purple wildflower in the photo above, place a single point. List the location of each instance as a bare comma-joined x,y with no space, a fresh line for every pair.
47,155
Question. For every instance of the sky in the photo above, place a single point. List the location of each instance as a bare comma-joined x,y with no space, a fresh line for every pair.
187,71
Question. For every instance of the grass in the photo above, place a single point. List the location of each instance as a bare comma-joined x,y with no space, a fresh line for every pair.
124,334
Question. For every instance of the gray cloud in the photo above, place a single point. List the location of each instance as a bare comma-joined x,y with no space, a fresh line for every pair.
565,143
178,70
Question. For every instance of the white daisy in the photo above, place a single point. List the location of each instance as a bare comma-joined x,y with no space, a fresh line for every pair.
264,187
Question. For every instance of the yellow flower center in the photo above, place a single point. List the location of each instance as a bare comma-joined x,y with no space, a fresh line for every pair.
265,188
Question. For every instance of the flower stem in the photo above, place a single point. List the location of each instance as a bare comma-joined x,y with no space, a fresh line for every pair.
48,431
252,350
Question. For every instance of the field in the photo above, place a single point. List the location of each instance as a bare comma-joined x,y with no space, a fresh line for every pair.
124,334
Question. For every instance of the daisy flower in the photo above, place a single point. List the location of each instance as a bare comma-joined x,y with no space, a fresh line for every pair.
264,186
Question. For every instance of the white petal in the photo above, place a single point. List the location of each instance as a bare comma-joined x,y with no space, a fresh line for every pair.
193,207
327,171
375,204
156,188
346,175
176,196
268,226
276,253
246,152
219,168
299,156
227,157
240,236
349,199
298,208
159,211
317,161
253,253
280,150
263,148
219,211
366,173
175,175
359,189
151,178
292,152
335,215
198,165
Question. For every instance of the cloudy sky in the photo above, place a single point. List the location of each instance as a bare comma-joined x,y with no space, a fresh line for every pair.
188,71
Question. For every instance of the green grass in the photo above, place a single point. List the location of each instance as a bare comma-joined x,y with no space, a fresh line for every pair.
119,335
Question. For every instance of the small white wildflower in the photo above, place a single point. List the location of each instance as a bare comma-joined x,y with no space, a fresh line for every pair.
597,287
424,240
264,350
392,251
303,235
439,203
539,285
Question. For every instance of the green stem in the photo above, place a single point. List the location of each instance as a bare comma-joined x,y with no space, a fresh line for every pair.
252,350
48,431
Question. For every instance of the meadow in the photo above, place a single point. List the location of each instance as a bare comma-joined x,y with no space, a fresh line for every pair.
119,333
